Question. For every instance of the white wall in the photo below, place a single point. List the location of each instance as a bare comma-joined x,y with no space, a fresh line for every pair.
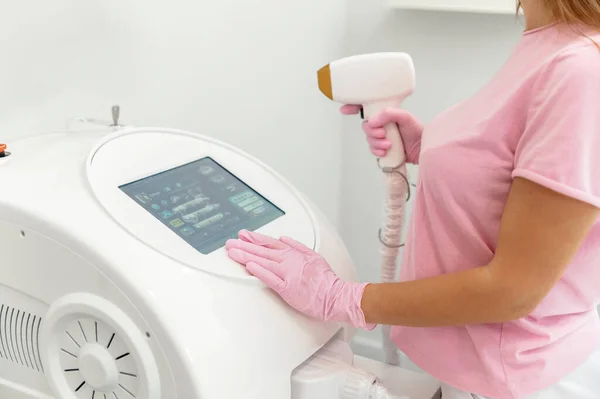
242,71
454,55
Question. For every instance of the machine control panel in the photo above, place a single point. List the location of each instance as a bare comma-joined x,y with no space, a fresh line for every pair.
200,192
203,203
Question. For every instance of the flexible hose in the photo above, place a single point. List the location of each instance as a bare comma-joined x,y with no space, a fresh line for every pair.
390,236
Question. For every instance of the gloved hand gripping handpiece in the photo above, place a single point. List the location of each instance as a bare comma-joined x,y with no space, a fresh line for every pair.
377,81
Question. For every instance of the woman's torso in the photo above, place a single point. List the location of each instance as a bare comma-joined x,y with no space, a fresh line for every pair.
466,169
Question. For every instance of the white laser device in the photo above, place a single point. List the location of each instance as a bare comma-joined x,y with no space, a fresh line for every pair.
114,283
377,81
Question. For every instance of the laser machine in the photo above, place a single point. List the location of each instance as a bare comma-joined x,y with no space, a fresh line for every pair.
114,283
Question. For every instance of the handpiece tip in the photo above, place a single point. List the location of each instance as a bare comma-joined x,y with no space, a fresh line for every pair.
324,78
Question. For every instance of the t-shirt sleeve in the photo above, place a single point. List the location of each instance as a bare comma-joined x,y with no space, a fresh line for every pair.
560,145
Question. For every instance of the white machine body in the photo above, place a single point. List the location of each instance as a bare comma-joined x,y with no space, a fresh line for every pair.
113,278
375,81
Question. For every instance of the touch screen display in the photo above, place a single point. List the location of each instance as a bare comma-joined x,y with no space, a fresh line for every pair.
203,203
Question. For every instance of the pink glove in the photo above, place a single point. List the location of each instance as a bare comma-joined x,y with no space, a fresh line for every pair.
410,128
301,277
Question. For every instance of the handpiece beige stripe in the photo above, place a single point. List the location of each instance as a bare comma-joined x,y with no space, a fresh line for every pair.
324,77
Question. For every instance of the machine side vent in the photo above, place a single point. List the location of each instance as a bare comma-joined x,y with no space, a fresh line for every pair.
19,337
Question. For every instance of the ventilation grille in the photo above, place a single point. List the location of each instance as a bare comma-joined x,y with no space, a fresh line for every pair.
19,337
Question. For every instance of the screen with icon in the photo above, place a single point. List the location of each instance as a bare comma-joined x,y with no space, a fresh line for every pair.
203,203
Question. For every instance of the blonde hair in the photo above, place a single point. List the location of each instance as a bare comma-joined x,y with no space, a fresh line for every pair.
574,12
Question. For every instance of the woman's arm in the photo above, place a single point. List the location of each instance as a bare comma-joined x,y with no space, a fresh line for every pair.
540,233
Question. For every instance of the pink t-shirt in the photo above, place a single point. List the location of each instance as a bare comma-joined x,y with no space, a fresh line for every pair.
539,118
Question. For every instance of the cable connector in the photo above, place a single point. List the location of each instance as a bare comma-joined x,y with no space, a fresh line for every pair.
329,373
358,384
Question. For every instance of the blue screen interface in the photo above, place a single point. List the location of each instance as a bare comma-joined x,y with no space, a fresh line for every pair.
203,203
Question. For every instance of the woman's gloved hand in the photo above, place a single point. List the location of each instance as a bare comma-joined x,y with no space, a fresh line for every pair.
409,126
301,277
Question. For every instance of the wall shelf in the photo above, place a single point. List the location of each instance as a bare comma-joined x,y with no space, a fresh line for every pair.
505,7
